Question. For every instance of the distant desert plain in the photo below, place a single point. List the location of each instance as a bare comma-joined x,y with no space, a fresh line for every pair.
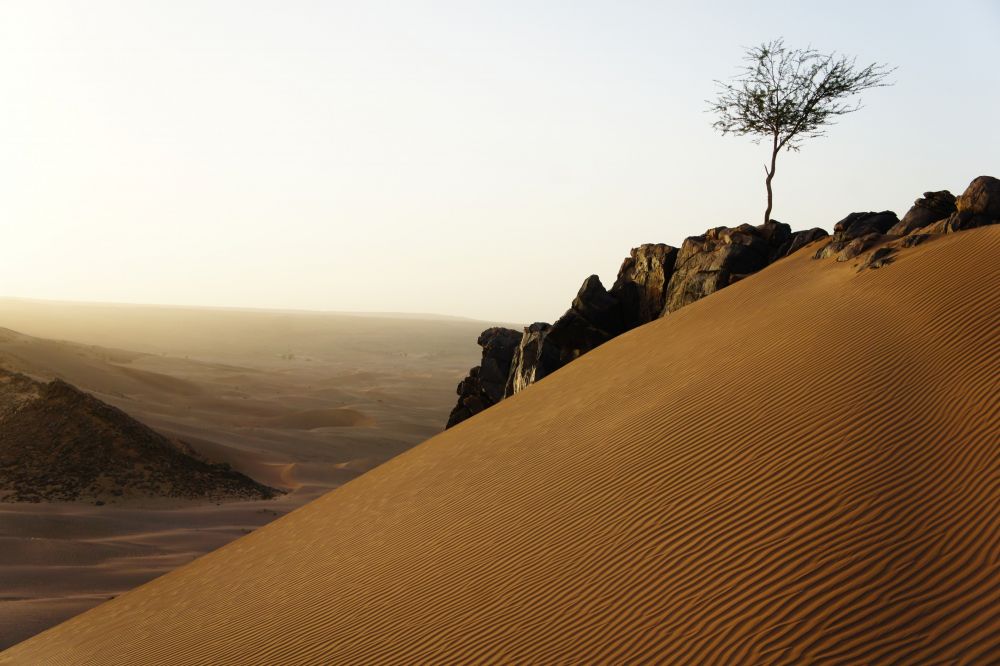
299,401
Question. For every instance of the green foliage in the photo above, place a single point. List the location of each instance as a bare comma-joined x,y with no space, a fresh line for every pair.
789,95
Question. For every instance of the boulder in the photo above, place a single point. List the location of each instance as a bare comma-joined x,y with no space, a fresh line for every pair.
721,256
486,383
802,238
535,357
930,208
856,225
641,287
978,206
856,233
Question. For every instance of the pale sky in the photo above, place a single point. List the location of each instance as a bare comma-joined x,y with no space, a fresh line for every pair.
466,158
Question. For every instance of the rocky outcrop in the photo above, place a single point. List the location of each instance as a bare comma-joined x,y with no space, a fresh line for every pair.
594,318
721,256
535,357
58,443
978,206
656,279
856,233
486,383
641,287
930,208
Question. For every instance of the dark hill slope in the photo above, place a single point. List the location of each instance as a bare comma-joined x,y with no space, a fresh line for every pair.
58,443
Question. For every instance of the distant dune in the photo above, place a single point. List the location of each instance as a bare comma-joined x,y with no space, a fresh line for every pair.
801,468
323,418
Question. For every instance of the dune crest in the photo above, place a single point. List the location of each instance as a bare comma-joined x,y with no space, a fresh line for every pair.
751,480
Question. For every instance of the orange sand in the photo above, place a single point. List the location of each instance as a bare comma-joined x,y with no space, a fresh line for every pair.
802,468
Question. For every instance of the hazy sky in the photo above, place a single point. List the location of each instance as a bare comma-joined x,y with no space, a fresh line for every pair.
466,158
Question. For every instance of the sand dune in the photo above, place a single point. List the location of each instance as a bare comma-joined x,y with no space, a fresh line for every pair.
179,371
312,419
801,468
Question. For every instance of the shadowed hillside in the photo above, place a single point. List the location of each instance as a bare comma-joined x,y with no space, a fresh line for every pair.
58,443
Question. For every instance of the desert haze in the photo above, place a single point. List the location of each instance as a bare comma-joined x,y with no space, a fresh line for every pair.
301,402
800,468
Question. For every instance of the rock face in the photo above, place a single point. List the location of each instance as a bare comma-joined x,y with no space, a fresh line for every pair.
978,206
721,256
856,233
594,318
487,381
535,357
930,208
58,443
642,282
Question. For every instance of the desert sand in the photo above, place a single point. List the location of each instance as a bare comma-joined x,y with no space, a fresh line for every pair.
299,401
801,468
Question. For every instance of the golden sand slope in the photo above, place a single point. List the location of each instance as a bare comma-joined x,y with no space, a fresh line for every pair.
800,468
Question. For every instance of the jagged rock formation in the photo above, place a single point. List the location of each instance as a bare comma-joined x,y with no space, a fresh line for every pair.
596,315
594,318
930,208
642,283
653,280
487,381
58,443
657,279
721,256
535,357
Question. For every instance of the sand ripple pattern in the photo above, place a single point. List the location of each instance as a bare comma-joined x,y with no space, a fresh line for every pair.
802,468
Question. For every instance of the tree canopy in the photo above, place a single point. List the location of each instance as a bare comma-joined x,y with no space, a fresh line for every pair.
790,95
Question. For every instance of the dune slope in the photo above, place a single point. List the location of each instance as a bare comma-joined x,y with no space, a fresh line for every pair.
801,468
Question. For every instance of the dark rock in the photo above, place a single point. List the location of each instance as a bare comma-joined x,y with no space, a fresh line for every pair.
865,228
978,206
535,357
911,240
779,238
485,384
855,247
931,207
856,225
641,287
58,443
802,238
981,198
721,256
597,307
594,318
877,258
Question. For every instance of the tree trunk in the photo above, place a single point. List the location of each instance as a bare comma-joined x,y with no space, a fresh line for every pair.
770,175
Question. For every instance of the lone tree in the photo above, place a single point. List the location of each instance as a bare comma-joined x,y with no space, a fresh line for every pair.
788,95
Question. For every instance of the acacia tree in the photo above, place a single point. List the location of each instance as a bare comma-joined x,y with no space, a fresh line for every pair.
789,95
